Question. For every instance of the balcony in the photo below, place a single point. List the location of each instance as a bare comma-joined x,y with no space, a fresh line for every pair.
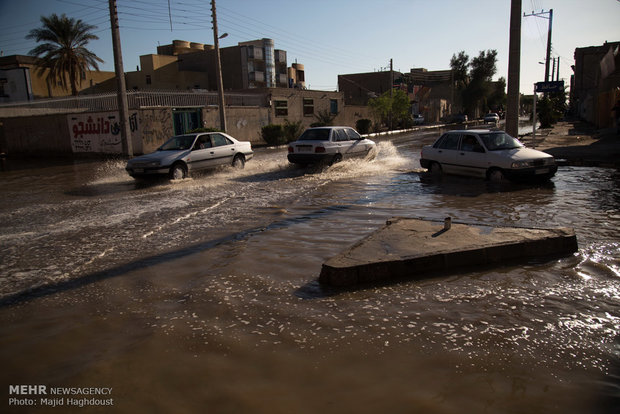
256,76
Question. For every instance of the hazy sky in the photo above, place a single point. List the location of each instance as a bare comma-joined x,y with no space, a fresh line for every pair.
332,37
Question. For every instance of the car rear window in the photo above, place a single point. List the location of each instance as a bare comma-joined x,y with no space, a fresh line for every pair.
318,134
449,141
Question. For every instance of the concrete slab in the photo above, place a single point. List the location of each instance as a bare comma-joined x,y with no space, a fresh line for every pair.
409,248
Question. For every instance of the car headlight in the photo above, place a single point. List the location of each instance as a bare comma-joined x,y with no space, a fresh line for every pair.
520,164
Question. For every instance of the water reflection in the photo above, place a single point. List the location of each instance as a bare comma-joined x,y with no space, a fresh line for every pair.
215,279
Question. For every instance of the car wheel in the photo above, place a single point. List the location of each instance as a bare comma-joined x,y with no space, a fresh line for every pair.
496,175
371,154
178,172
239,161
435,168
337,158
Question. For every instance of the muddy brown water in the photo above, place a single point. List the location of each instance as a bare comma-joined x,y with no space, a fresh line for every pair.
201,295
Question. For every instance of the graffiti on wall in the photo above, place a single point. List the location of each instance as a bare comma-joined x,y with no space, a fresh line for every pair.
100,132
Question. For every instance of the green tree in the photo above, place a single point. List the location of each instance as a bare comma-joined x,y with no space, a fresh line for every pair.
460,65
398,106
497,98
292,130
473,80
63,50
551,108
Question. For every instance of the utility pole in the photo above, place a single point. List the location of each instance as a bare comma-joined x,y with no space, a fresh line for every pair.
514,64
550,13
218,70
391,92
549,45
123,107
557,76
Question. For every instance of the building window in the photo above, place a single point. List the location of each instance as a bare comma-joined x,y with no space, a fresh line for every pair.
148,79
281,108
308,107
185,120
333,106
2,88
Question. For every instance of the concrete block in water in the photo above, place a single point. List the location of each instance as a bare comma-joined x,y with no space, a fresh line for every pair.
408,248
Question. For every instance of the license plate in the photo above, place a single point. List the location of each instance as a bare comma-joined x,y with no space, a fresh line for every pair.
138,170
542,171
304,148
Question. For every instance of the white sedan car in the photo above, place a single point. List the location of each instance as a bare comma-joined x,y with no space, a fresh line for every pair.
329,145
181,154
494,155
491,117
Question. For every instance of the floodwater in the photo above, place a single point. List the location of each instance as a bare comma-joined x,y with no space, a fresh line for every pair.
202,295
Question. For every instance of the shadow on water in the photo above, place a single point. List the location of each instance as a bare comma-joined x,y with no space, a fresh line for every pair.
66,285
99,189
291,171
473,187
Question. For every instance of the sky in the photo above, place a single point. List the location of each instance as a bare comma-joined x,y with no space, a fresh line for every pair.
334,37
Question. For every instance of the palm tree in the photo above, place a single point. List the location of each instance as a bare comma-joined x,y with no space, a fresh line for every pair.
63,51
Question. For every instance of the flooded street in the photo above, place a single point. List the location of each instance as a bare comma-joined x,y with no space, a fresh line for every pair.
202,295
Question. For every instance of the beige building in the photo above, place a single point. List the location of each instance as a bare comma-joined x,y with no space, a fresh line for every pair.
91,82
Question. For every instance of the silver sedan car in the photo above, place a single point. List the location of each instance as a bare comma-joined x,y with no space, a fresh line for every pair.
182,154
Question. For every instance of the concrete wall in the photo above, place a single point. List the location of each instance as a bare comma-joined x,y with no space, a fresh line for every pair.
156,127
79,132
48,134
352,113
243,123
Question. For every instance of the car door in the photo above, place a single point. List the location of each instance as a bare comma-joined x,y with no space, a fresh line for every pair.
200,156
447,153
342,142
222,151
358,146
472,157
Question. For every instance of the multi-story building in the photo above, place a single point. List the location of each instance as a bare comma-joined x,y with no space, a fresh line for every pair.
358,88
595,85
430,92
253,64
297,76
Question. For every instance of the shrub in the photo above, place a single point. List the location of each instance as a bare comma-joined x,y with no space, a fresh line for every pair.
205,130
273,134
292,130
363,125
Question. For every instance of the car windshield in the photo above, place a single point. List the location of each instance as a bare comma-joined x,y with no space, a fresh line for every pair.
317,134
497,141
181,142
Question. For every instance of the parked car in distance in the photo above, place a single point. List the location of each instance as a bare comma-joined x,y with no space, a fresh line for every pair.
494,155
329,145
459,118
491,117
418,119
183,154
